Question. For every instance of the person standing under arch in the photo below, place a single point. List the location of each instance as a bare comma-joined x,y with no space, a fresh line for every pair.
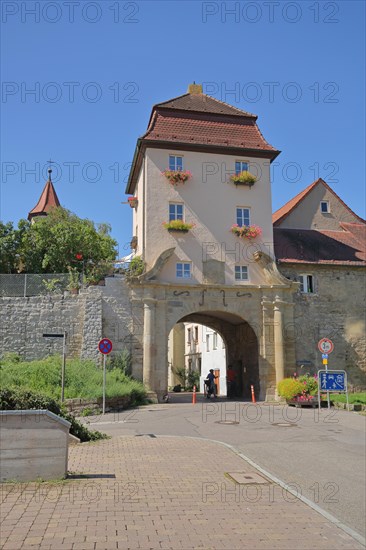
231,382
211,386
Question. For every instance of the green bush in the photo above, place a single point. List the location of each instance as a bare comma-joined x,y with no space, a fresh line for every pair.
182,374
291,387
17,399
193,379
121,360
83,379
136,267
310,384
10,357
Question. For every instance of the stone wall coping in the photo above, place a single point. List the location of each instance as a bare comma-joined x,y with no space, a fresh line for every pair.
37,412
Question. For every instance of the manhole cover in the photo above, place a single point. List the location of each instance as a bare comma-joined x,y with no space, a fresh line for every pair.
244,478
284,424
226,422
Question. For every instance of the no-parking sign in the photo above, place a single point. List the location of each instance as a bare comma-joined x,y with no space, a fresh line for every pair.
105,346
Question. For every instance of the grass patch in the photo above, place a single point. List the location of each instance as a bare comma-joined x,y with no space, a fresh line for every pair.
83,379
353,398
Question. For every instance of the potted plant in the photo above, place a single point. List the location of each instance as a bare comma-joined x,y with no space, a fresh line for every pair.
178,225
243,178
177,176
74,280
301,391
246,231
133,202
97,273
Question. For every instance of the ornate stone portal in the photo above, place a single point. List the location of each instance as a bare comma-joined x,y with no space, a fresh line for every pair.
256,323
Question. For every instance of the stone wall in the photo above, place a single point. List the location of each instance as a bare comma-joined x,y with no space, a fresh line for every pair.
116,311
335,310
97,312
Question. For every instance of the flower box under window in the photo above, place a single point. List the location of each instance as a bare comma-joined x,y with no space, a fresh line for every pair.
243,178
246,231
175,177
133,201
178,225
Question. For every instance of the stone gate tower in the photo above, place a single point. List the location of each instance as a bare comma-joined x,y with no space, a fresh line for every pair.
201,193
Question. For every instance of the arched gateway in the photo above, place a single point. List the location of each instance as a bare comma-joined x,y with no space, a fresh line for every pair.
200,181
256,326
241,343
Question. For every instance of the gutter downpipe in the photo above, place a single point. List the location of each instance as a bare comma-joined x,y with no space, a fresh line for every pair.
145,206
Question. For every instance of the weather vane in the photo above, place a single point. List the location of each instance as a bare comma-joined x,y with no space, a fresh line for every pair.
50,162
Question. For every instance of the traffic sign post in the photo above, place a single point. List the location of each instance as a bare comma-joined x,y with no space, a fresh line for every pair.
326,346
332,381
63,367
105,347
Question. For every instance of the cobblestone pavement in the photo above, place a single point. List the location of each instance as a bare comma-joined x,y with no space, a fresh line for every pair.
160,493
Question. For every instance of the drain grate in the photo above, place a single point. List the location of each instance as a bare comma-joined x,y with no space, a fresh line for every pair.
246,478
284,424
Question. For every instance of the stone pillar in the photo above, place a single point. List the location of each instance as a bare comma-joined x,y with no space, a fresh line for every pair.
278,340
149,343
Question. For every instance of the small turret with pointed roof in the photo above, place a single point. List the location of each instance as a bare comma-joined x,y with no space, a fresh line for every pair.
47,200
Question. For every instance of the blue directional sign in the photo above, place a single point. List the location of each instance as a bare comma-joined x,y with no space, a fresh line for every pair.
335,380
325,356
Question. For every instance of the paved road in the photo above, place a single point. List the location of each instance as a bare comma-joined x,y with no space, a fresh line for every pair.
320,454
161,493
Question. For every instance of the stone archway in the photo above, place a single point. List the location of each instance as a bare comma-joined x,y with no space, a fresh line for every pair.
242,346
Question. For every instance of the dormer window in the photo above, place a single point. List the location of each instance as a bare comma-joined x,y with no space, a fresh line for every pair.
175,163
241,166
324,207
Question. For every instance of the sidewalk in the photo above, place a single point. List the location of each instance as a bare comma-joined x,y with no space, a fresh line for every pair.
160,493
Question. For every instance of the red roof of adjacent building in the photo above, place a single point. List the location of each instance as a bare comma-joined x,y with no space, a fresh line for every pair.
47,200
281,214
308,246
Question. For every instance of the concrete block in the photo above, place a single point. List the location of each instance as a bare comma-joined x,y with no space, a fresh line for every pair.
34,445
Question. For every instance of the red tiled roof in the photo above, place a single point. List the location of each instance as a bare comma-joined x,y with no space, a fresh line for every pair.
196,121
308,246
206,130
202,103
47,201
282,213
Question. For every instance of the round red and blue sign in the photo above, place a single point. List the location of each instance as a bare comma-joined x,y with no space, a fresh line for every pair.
105,346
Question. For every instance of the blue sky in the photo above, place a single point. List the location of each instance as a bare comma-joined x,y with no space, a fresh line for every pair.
97,68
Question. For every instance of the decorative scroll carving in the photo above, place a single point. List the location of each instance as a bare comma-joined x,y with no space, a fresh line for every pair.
158,265
223,297
181,293
270,271
202,301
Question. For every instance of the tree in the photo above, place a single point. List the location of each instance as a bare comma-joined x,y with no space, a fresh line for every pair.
9,246
61,240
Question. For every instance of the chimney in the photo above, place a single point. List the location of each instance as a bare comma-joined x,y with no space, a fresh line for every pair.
195,88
